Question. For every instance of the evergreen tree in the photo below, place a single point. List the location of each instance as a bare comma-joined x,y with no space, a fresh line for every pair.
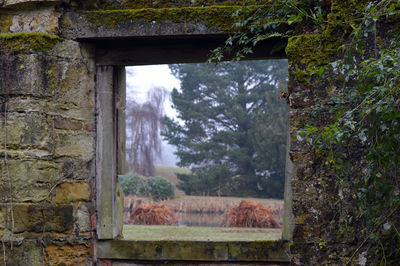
231,129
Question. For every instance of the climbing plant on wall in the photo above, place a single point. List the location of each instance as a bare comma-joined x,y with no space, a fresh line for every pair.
367,108
281,19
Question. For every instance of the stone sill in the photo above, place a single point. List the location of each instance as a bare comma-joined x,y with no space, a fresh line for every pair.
217,251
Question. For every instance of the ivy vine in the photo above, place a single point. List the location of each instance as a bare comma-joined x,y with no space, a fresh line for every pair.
280,19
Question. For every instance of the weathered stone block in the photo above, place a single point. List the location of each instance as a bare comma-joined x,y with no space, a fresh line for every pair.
200,20
63,115
119,4
77,169
72,82
75,112
26,130
39,20
27,253
70,49
31,179
67,255
20,104
71,192
69,83
67,124
7,3
25,74
80,145
82,217
41,218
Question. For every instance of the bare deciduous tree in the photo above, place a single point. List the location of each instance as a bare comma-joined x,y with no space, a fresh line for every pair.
143,126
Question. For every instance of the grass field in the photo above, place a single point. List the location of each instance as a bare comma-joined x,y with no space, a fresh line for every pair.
198,207
158,232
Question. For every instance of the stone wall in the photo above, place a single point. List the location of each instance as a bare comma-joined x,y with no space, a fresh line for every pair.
326,222
47,139
48,116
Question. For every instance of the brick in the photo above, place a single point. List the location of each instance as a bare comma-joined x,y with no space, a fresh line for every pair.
72,192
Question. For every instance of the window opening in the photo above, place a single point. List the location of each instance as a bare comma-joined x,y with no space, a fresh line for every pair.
205,151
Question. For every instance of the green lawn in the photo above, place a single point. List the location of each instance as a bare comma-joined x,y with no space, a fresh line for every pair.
159,232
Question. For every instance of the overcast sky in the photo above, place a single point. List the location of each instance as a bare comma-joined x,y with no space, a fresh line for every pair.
139,79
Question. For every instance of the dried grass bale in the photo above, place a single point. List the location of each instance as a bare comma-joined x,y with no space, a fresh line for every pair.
153,214
250,214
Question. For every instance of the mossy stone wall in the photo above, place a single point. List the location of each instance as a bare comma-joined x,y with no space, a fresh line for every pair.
325,212
47,138
48,130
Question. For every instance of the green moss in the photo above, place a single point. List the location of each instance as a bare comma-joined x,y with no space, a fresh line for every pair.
135,4
312,49
5,23
66,22
258,249
310,52
345,14
215,16
28,42
302,77
262,251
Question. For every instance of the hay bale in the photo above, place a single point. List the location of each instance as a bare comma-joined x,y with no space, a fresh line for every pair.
153,214
250,214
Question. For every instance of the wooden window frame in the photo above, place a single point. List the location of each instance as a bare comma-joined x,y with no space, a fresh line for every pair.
111,58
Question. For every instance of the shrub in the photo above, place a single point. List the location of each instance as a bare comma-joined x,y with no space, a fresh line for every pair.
157,187
153,214
160,188
250,214
133,184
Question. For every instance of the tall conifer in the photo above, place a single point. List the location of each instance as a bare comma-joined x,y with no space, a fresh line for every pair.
231,129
